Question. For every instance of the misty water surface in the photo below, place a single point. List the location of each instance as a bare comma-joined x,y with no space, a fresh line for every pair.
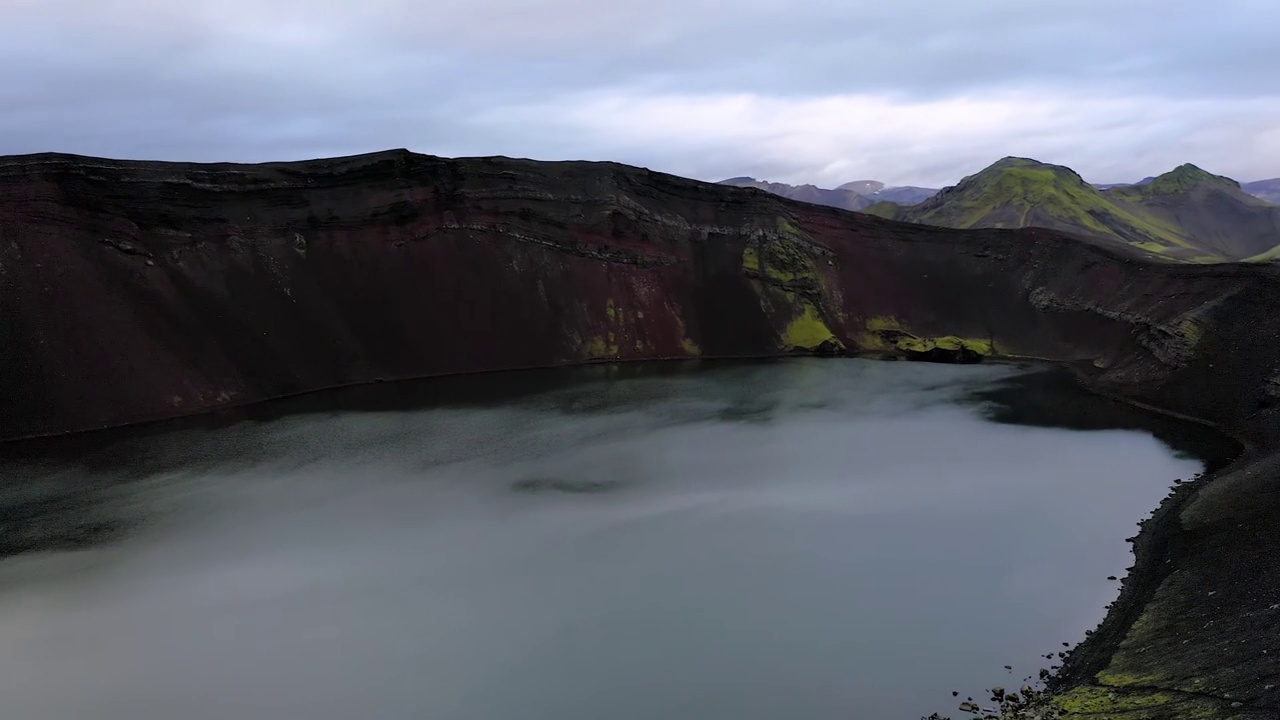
805,539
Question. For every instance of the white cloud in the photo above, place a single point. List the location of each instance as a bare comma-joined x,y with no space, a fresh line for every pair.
833,139
916,91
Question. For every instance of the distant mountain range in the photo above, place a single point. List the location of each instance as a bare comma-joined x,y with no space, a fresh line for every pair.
854,195
861,194
1268,190
1186,214
1109,186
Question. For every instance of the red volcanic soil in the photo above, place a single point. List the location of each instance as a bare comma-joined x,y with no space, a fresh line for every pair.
139,291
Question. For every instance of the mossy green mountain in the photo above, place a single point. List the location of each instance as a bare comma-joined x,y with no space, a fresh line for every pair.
1186,215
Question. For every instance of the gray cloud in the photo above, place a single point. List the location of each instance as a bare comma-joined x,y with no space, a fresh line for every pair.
1137,86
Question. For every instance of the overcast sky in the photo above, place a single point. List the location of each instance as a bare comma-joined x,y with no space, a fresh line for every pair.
824,91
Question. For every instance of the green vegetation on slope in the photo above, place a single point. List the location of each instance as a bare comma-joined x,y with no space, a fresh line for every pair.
782,268
808,331
1266,256
1185,215
1017,192
885,209
886,332
1181,179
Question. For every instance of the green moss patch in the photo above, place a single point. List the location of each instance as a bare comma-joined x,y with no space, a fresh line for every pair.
1118,679
1265,257
808,331
946,342
883,322
885,332
1103,703
1191,330
598,348
885,209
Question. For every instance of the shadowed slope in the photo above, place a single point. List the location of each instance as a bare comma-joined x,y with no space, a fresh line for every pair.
139,291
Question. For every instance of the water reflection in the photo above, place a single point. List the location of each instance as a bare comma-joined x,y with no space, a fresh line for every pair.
790,539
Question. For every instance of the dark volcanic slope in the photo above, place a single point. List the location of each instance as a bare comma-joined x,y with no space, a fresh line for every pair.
140,291
1213,212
